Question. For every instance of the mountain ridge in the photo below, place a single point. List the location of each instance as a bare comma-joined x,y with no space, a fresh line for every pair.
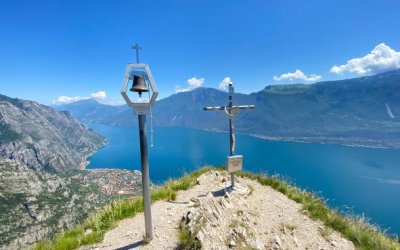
362,111
43,138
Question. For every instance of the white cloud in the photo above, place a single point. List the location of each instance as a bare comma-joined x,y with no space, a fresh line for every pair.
381,58
68,99
99,95
298,75
224,83
193,83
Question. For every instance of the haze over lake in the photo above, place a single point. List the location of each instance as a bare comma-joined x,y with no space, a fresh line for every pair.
364,180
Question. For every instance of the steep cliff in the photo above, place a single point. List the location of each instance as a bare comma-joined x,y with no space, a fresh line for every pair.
42,138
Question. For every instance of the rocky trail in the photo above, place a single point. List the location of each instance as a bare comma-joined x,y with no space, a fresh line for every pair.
249,216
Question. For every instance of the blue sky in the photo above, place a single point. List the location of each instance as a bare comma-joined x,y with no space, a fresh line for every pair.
75,49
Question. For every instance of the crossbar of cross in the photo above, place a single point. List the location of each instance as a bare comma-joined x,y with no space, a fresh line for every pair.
227,108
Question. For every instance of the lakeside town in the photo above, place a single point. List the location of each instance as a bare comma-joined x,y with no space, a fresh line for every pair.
115,181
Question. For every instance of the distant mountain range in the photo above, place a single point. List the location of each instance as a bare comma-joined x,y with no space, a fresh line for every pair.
91,112
359,111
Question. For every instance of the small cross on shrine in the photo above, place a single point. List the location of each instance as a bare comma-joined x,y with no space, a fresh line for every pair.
137,48
234,162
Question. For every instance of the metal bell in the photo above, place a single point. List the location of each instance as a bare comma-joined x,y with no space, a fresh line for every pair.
139,85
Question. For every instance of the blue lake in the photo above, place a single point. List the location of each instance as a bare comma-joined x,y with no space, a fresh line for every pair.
366,180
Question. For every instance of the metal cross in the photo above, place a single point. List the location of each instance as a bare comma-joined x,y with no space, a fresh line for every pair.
230,110
137,48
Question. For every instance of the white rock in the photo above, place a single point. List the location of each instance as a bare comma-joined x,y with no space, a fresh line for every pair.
295,241
200,236
276,240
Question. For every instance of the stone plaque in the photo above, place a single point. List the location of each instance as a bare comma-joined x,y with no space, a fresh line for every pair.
234,163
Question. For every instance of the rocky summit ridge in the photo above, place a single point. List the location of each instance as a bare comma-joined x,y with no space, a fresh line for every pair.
216,216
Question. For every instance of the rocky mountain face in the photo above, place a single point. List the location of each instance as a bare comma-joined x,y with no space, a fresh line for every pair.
42,138
359,111
37,204
42,190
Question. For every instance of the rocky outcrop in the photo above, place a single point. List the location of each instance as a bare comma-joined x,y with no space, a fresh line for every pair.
208,217
42,138
250,216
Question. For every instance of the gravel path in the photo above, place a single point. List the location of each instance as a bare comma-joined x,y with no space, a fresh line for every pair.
249,215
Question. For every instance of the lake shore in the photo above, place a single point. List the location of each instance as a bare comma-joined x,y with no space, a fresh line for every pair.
352,142
328,140
85,160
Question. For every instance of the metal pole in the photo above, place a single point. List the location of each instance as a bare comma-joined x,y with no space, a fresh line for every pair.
231,139
137,53
145,176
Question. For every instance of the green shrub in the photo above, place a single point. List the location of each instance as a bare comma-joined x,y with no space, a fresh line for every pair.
92,238
188,241
74,232
66,243
43,245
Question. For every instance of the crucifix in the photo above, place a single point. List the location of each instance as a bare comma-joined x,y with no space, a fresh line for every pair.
233,161
137,48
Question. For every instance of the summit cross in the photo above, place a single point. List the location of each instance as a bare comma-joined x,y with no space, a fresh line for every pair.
230,111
